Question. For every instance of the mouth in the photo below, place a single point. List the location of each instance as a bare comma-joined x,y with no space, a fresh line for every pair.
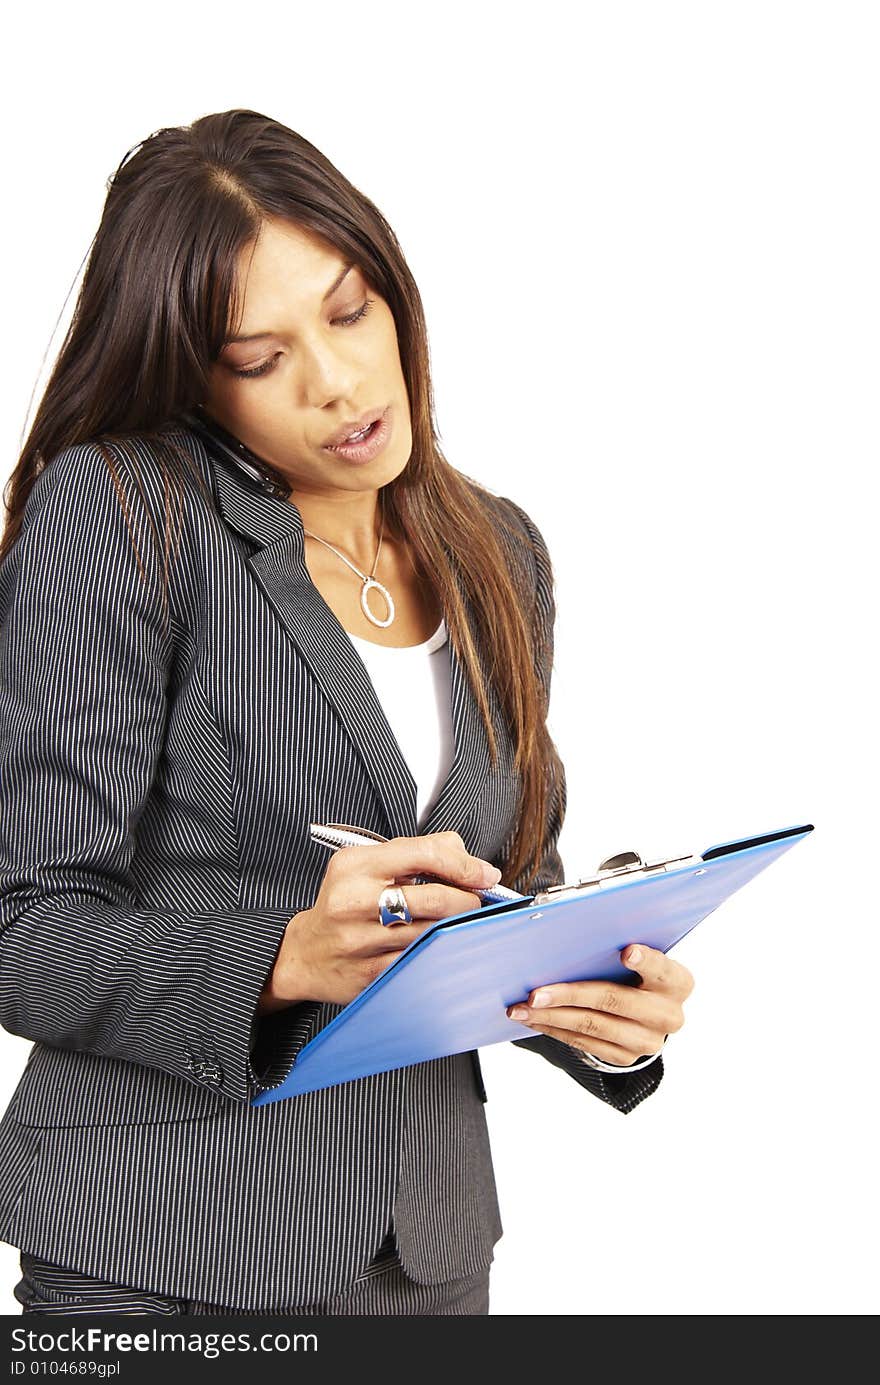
358,434
365,442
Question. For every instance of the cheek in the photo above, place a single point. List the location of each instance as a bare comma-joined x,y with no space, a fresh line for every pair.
385,342
220,392
257,412
229,398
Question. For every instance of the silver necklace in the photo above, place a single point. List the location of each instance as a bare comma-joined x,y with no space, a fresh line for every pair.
368,579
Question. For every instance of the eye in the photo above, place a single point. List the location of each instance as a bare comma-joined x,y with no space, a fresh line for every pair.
348,321
259,369
356,317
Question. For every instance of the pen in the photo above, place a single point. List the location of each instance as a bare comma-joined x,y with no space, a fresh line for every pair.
335,835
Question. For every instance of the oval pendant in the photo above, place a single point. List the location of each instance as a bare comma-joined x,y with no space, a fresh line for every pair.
371,582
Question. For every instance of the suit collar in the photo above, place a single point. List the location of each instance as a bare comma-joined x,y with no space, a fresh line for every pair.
274,528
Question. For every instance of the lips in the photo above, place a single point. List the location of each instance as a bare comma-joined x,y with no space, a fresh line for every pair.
355,430
369,444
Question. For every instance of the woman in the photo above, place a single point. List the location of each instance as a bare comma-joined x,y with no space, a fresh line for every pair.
196,666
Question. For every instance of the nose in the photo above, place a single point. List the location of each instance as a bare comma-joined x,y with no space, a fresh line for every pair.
327,373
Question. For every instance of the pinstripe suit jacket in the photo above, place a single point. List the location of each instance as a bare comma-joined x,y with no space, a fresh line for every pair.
157,781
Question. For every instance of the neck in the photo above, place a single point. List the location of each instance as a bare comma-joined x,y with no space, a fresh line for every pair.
352,524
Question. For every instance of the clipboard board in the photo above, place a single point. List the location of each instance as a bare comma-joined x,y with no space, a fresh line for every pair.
449,990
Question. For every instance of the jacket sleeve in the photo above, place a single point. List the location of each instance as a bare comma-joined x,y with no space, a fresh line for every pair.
625,1092
85,655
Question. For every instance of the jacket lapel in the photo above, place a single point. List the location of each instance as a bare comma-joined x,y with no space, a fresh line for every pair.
278,563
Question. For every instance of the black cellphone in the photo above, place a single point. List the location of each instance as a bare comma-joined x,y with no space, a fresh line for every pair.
234,452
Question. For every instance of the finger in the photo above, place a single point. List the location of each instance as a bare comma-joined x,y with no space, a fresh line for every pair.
584,1025
371,939
631,1002
439,854
600,1048
384,960
437,901
658,972
426,904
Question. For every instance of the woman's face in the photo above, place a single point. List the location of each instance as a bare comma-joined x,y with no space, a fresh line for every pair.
323,362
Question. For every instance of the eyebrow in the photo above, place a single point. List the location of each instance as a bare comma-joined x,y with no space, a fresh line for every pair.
260,336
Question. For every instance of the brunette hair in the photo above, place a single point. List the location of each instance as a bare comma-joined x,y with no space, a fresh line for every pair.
158,297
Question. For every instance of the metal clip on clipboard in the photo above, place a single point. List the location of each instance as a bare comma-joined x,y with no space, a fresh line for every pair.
614,870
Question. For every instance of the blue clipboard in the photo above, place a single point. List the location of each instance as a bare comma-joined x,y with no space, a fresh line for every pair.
448,991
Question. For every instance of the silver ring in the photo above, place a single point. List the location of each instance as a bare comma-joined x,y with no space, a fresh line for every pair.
393,907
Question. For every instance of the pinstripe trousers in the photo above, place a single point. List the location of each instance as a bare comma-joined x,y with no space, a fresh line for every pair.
381,1289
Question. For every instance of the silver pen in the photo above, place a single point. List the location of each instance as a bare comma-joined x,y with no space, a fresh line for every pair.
338,834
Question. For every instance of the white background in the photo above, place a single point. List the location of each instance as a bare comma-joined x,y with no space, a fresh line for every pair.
646,237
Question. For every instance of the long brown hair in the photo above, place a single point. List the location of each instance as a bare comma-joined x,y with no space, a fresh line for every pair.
155,306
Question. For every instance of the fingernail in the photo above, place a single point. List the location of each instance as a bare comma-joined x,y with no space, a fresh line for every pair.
491,875
519,1012
542,998
634,956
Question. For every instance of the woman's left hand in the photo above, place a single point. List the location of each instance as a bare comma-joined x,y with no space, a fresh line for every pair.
617,1023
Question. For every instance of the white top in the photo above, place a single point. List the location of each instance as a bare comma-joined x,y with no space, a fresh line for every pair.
413,686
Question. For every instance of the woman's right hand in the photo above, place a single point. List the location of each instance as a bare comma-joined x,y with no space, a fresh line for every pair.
331,951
